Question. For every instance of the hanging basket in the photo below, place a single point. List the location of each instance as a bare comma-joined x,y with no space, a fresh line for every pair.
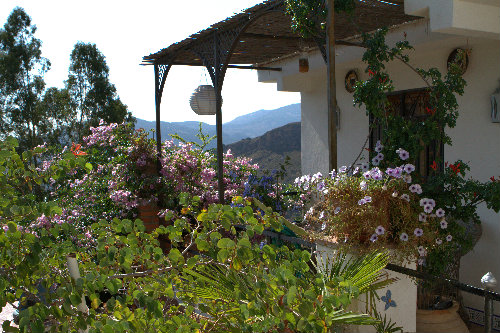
203,100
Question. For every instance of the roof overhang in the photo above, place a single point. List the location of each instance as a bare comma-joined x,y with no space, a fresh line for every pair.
268,36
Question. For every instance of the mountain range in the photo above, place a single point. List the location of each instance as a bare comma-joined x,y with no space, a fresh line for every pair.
247,126
270,150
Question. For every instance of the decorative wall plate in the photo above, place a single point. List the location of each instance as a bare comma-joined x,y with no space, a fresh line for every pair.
350,80
459,57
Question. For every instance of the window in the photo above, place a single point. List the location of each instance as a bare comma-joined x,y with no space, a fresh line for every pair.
411,104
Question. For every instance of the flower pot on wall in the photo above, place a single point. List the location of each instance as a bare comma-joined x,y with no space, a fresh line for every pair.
446,320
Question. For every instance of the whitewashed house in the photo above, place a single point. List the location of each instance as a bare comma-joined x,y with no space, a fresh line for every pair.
445,26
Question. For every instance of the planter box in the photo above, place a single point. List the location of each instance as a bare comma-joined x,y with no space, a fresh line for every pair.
403,293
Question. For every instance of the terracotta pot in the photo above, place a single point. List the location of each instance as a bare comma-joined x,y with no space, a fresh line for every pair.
431,321
149,216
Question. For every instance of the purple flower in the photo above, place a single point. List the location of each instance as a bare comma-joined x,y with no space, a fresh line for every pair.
363,186
428,209
422,217
443,224
449,238
440,212
409,168
403,154
418,232
421,250
368,198
416,188
421,261
380,230
405,197
373,238
404,237
365,166
380,156
378,146
367,174
439,241
361,202
375,161
407,179
343,169
376,174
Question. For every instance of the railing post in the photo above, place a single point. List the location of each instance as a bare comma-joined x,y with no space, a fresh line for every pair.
489,283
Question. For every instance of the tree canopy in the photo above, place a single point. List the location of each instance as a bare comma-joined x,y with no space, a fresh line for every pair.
35,115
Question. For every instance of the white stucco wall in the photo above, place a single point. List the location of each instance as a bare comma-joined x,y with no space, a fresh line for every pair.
476,140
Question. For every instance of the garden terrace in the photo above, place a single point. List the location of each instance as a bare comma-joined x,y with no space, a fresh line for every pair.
257,36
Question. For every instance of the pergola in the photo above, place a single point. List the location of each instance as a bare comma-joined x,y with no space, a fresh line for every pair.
260,35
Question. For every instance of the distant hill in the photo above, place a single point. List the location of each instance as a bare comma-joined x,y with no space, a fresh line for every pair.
269,150
247,126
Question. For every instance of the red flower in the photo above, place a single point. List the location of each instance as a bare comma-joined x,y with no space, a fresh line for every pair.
492,178
430,111
368,149
455,168
372,73
75,149
434,166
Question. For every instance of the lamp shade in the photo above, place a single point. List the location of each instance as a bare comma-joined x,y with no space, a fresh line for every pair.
203,101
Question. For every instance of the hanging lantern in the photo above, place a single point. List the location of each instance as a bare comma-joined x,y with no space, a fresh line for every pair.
203,100
303,65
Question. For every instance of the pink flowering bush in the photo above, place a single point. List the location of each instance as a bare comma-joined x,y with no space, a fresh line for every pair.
121,174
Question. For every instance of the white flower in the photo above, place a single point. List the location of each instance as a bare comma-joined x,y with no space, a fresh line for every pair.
405,197
395,194
323,226
407,179
449,238
440,212
428,209
380,230
409,168
443,224
439,241
418,232
322,215
373,238
421,251
365,166
404,237
363,185
416,188
422,217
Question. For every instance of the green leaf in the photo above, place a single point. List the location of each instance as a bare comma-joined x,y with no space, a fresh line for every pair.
175,255
226,243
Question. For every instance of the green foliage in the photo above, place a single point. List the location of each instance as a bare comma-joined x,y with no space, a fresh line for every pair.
90,90
21,81
211,277
309,16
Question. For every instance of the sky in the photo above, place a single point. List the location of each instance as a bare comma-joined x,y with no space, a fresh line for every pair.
125,31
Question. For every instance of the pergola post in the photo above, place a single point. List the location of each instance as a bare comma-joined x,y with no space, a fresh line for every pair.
218,80
331,86
158,125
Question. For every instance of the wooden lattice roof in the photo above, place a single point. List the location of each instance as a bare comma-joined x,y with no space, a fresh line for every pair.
270,36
